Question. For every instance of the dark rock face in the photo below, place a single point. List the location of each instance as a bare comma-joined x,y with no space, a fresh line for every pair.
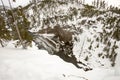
60,44
62,34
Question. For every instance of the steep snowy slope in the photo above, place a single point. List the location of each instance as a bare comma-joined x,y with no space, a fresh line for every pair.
32,64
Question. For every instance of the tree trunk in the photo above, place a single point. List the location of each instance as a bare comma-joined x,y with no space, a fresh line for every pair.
18,32
1,43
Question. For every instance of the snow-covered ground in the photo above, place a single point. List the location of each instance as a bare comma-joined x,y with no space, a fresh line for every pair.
34,64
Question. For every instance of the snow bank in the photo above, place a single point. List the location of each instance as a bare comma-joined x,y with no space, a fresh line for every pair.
31,64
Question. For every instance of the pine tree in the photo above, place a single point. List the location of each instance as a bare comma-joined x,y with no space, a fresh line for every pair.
4,32
17,29
23,26
97,3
